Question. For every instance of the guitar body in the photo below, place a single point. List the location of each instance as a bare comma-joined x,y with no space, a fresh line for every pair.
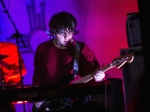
66,80
62,104
52,105
56,104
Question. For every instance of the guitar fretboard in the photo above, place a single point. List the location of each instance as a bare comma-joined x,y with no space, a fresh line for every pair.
91,76
107,67
85,79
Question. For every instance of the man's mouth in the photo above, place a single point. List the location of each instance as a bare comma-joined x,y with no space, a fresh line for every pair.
66,42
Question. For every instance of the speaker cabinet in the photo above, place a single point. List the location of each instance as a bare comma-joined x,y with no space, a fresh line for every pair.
133,30
131,74
111,101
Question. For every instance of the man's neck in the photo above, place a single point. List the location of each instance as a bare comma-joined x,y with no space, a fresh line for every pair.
57,44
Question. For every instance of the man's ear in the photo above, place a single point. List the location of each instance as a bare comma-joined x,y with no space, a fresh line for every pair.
53,35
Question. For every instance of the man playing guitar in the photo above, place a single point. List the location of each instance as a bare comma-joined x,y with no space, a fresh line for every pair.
63,56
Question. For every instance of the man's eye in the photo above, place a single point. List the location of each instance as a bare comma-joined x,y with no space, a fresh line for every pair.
63,33
70,32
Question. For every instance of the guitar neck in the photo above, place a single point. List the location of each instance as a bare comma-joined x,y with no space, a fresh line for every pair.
85,79
107,67
91,76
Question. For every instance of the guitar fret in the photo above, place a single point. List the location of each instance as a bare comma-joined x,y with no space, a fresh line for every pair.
107,67
85,79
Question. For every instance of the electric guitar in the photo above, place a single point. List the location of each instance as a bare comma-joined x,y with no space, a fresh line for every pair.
60,104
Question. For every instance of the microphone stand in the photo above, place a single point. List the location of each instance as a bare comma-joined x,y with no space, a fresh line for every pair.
18,36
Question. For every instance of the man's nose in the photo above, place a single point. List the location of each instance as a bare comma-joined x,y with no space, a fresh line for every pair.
66,35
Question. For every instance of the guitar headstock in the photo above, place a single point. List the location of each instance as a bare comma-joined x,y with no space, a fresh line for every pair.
120,61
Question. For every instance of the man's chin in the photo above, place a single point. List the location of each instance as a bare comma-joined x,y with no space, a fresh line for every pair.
65,45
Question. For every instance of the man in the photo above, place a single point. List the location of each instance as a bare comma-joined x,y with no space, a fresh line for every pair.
10,74
63,56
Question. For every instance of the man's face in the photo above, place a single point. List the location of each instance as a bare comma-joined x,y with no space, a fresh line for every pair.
64,37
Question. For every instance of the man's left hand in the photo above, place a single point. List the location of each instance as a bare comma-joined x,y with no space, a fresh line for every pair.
99,76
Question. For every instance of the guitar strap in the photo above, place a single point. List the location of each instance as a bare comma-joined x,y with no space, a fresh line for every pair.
76,60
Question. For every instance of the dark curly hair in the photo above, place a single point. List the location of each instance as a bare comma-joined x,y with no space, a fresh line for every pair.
62,21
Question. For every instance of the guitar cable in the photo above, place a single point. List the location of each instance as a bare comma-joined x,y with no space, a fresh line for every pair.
106,103
105,97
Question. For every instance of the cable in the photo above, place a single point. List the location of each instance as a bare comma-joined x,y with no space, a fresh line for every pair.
8,5
106,107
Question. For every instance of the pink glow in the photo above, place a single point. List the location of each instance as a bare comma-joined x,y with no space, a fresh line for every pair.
101,24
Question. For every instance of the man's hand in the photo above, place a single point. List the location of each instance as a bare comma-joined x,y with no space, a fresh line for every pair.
99,76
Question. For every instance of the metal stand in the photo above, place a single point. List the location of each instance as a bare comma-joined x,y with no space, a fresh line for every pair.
18,36
2,79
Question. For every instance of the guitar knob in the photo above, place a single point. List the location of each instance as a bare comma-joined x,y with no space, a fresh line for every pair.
47,109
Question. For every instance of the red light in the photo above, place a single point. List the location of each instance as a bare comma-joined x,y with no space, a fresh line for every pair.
19,102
